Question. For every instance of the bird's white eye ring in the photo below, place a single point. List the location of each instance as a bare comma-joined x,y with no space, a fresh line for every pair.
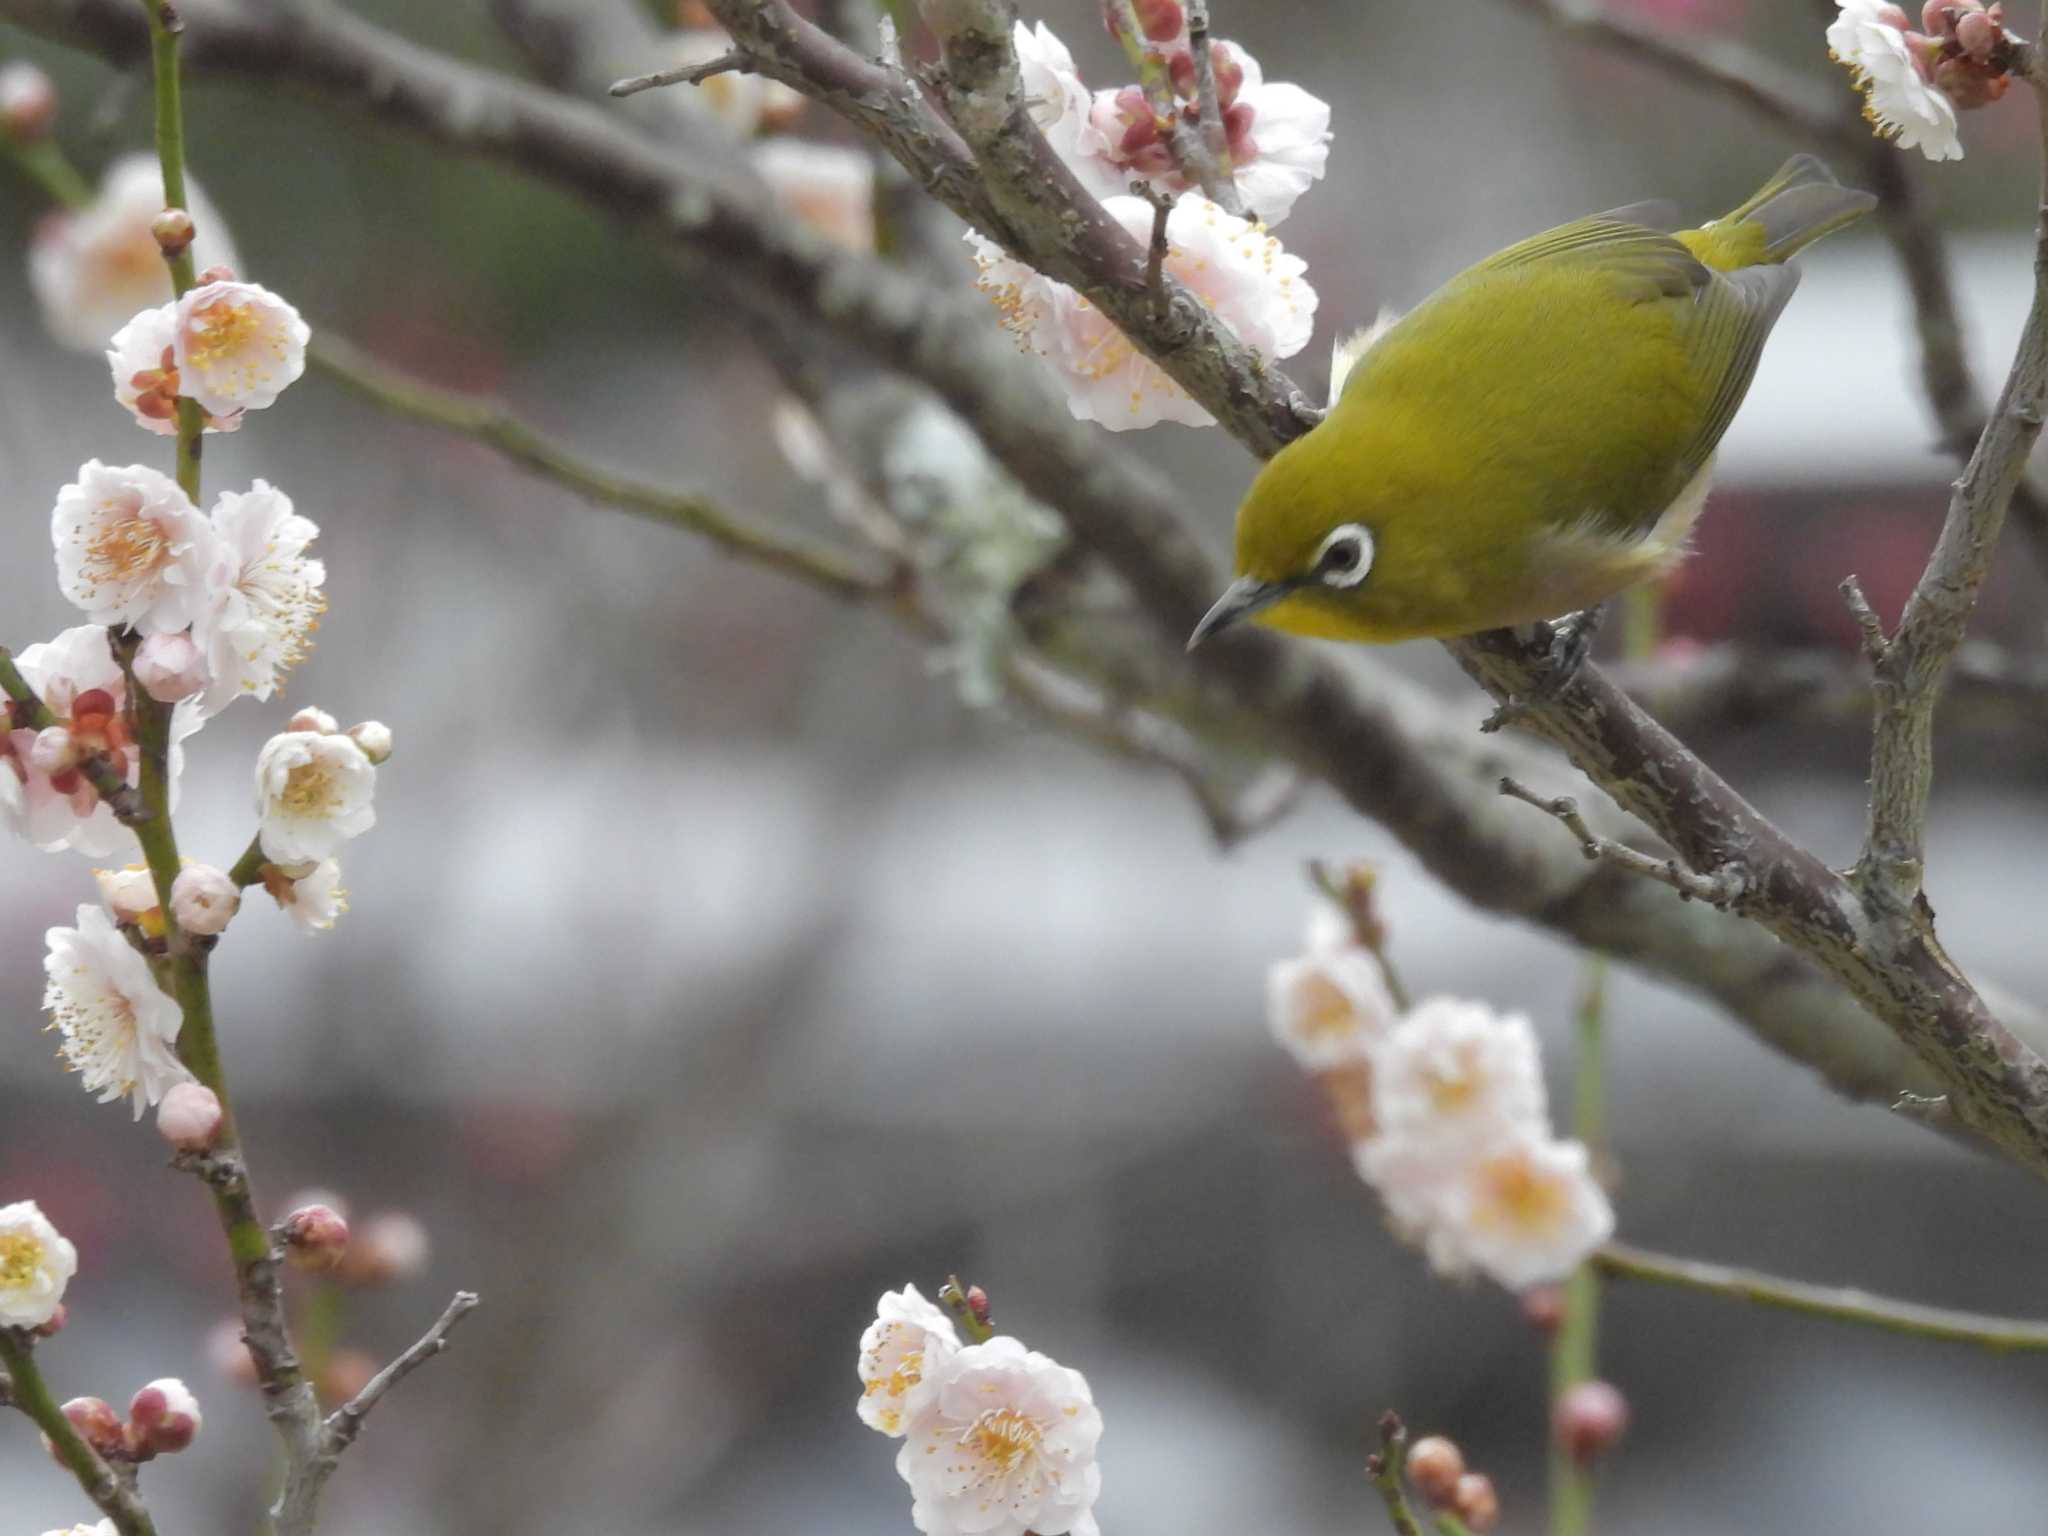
1345,556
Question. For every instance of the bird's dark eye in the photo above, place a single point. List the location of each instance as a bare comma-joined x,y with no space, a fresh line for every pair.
1345,556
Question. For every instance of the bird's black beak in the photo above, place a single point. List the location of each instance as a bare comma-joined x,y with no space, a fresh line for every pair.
1241,599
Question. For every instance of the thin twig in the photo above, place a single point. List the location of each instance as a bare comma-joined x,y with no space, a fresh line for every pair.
346,1422
1185,142
1156,248
1869,627
1907,674
110,1493
1841,1303
1208,110
1722,889
1384,1468
684,74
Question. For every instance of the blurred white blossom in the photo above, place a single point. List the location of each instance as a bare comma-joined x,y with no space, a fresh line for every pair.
1001,1442
1253,287
204,899
738,99
1899,98
36,1263
97,1528
1328,1006
237,346
94,269
905,1342
830,187
263,597
119,1028
128,892
1529,1211
131,547
313,793
1060,104
1453,1077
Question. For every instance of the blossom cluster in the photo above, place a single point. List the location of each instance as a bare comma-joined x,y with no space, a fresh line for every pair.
1445,1109
1278,143
1915,82
998,1440
186,611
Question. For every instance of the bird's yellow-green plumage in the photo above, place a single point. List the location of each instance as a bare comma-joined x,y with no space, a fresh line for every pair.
1539,433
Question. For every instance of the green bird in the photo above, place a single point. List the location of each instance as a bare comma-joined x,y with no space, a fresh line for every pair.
1536,435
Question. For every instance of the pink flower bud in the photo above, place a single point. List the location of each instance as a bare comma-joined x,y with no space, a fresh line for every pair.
1237,127
1977,34
1543,1309
392,1245
229,1354
53,751
1968,84
1125,119
172,230
203,899
1476,1503
1229,74
28,102
318,721
977,1303
163,1417
97,1424
1934,17
1160,20
214,275
315,1237
189,1117
1589,1420
170,667
374,737
53,1325
1434,1466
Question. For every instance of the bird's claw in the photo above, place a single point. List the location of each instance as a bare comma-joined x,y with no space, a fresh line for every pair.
1567,643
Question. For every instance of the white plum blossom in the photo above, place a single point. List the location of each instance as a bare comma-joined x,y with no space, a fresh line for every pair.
1060,105
901,1347
828,186
128,892
79,680
263,592
97,1528
313,793
1328,1007
313,900
1526,1213
94,269
1253,287
237,346
131,547
1001,1442
119,1028
1454,1076
144,362
1899,98
170,666
204,899
36,1263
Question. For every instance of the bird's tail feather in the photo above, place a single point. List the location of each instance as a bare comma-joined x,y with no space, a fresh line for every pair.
1798,206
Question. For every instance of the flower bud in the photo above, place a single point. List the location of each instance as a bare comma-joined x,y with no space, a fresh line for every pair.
214,275
97,1424
229,1354
1978,34
1434,1466
374,737
318,721
53,751
315,1237
203,899
1934,17
173,231
1160,20
53,1325
1968,84
170,667
28,102
129,892
977,1303
190,1115
1589,1420
163,1417
392,1245
1476,1503
92,702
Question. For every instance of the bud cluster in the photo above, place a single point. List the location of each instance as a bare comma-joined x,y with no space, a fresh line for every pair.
1436,1469
163,1418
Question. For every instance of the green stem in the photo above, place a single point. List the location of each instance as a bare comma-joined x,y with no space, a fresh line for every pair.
102,1484
1840,1303
1574,1353
953,1297
44,164
248,869
1384,1470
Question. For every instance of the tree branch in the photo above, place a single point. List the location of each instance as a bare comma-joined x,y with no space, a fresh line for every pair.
1907,671
1390,751
346,1422
1843,1304
1721,889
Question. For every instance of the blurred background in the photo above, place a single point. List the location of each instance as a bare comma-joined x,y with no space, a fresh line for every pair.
713,967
